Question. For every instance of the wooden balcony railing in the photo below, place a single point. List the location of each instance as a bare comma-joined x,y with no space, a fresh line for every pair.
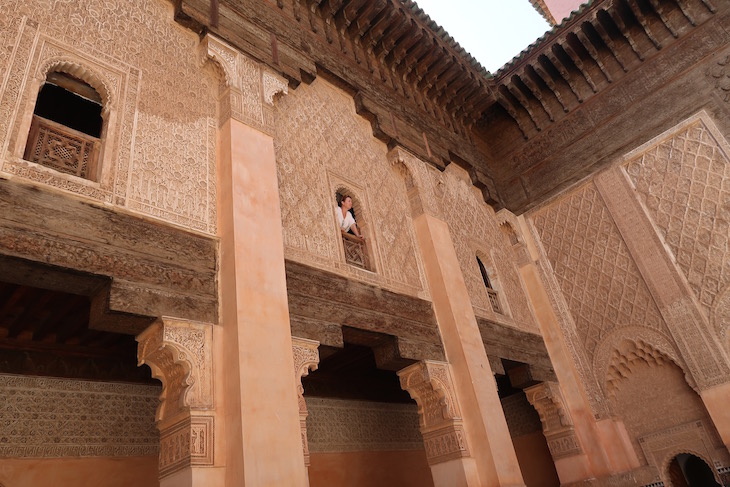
355,251
62,148
494,300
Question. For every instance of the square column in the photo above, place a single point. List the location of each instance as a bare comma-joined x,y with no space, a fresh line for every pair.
263,442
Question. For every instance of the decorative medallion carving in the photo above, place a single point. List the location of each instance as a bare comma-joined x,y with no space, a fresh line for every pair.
306,359
557,424
430,384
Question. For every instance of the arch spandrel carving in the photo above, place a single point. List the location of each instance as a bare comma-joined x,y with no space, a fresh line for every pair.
180,355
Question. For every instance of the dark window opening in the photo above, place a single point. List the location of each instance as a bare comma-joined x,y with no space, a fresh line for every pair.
491,292
79,109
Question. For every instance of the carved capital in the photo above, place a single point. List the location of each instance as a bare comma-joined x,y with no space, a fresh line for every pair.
430,384
224,56
272,85
180,355
557,424
306,358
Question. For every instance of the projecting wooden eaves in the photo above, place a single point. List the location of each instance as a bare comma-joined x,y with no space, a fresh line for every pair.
410,79
610,77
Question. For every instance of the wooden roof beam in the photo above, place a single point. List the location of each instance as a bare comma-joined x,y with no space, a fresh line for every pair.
587,44
536,69
504,101
374,34
575,58
661,12
524,102
535,90
636,10
366,18
560,68
601,31
614,15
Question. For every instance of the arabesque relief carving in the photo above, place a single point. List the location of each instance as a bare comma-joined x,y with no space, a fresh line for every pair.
180,355
719,73
430,384
46,417
247,89
320,143
557,424
306,359
682,181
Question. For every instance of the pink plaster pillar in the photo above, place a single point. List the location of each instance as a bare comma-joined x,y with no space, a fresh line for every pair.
488,438
263,443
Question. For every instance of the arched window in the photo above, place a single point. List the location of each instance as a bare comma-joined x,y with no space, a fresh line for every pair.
65,133
352,228
491,292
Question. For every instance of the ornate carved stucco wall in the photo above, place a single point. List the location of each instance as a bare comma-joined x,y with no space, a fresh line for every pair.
159,153
613,324
322,144
49,417
338,425
683,180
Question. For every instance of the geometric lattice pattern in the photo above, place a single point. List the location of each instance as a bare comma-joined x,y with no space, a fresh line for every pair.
598,277
49,417
336,425
684,182
61,148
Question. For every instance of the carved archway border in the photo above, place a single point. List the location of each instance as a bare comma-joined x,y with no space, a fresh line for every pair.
636,335
82,72
664,472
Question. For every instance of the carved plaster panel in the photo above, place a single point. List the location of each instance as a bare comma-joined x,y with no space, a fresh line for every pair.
159,141
627,344
248,88
661,447
336,425
180,355
188,443
557,424
473,228
430,384
599,279
49,417
683,180
321,142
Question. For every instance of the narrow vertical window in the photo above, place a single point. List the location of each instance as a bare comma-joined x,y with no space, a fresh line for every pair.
65,133
351,229
491,292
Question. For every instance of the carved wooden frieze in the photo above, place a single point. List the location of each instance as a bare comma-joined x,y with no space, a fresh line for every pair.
430,384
